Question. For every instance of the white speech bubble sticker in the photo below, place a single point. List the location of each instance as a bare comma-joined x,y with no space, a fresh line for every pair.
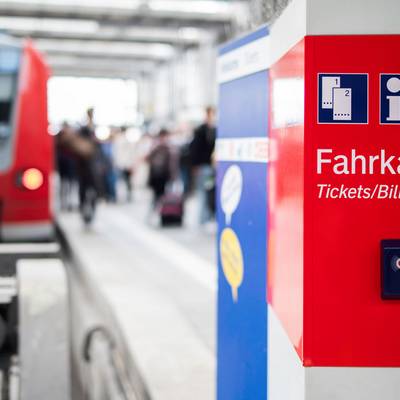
231,191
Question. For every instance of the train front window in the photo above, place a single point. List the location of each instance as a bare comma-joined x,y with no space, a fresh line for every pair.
7,89
9,67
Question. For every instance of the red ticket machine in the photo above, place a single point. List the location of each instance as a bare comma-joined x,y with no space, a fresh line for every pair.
334,191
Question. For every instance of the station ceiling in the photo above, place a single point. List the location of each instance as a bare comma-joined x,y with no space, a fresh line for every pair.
119,38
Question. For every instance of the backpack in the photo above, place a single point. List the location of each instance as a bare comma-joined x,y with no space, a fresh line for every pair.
160,162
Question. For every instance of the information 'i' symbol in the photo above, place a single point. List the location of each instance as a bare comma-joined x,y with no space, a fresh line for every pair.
393,86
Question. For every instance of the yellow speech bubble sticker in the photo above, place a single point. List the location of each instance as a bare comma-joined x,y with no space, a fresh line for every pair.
232,260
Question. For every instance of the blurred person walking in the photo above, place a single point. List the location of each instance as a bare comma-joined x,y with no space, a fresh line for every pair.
201,153
108,171
185,167
124,158
160,160
88,153
66,165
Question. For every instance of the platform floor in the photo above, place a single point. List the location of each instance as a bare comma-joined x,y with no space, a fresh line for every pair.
160,283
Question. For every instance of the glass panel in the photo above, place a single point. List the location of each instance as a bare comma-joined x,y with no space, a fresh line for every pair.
7,90
9,60
9,65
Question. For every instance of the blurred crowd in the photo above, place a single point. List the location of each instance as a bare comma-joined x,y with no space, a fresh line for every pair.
176,167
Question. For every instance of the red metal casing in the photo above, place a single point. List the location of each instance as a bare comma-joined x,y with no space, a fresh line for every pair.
286,199
346,322
324,270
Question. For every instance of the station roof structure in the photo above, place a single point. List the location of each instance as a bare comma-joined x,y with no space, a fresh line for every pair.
118,38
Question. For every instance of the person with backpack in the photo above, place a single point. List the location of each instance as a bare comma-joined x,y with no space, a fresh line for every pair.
89,168
159,160
66,165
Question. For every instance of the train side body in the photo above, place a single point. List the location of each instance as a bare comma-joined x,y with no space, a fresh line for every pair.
25,211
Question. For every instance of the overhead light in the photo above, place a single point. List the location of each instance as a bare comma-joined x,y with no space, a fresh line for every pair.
198,6
133,134
103,133
178,9
66,60
79,3
192,7
195,34
48,25
190,33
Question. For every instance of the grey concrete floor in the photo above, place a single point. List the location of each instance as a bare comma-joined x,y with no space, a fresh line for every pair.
160,285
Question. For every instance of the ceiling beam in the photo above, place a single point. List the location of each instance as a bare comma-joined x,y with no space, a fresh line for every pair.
95,73
101,62
196,12
116,50
94,30
117,31
60,65
104,36
100,68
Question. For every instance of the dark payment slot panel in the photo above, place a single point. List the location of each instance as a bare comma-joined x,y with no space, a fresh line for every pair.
390,260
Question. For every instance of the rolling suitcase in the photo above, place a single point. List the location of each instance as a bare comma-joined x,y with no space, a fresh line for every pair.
171,209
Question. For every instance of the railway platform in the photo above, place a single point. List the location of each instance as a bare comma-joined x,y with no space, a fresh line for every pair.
198,199
152,291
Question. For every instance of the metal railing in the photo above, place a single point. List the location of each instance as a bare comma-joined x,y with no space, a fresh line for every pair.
109,375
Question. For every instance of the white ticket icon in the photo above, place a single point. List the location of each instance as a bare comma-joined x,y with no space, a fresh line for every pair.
341,104
328,84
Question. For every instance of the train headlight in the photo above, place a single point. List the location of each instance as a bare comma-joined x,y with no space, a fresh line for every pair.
32,179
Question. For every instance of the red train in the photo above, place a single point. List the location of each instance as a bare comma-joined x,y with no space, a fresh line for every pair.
26,147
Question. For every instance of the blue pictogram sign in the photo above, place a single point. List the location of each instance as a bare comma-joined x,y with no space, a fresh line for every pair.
343,98
390,99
